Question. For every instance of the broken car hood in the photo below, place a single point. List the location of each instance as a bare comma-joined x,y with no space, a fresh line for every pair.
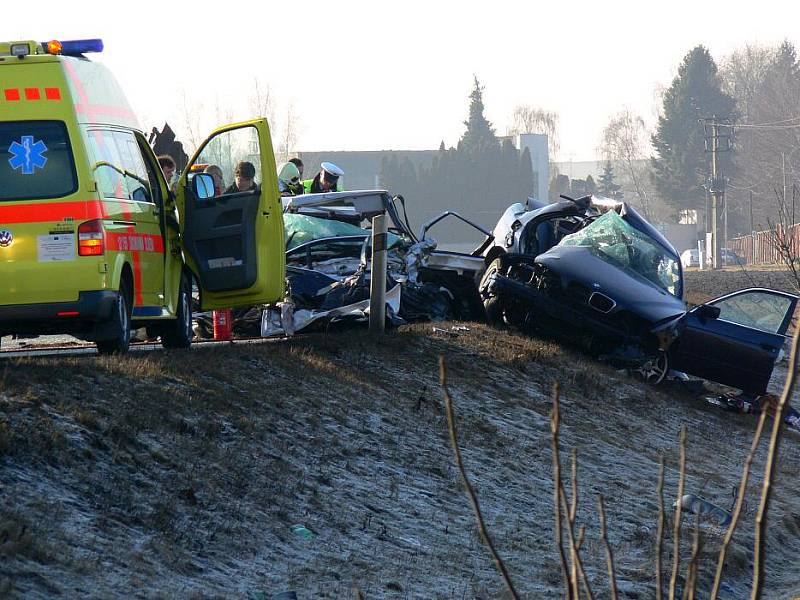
576,265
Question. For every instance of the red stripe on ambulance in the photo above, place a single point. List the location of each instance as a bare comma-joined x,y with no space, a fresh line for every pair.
52,211
12,94
32,94
135,242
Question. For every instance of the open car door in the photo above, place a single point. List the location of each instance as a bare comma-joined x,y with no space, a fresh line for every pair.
738,345
233,238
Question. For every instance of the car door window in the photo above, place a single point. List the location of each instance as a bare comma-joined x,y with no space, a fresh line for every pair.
136,178
118,165
152,176
108,170
764,311
228,149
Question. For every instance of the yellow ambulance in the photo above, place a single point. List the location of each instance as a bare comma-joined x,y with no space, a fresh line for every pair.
92,241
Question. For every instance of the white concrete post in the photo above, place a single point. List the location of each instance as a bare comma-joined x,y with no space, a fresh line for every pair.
700,255
377,287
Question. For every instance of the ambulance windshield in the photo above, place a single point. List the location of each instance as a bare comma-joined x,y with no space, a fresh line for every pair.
36,160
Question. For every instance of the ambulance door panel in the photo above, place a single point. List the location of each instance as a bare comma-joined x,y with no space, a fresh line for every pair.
234,239
128,213
147,243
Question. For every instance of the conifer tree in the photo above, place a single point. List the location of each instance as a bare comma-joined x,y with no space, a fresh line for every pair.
479,133
681,165
607,187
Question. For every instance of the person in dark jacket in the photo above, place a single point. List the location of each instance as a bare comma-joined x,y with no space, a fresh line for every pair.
244,178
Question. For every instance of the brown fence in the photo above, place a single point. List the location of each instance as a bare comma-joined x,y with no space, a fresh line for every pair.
761,248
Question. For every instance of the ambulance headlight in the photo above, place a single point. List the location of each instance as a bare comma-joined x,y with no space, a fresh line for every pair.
20,50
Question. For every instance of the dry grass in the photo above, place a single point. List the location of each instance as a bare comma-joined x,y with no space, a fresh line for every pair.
183,472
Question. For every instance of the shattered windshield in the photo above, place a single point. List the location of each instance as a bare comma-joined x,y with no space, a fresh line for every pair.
304,228
613,240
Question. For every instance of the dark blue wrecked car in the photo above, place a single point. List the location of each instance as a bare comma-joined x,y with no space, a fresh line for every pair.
594,272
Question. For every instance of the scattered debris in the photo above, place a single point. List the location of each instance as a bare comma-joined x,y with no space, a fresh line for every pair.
302,531
454,331
751,404
704,508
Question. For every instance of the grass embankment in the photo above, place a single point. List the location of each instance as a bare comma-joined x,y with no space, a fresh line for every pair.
181,474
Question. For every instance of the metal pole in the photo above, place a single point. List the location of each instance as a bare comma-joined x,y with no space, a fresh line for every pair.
714,197
725,230
377,286
752,232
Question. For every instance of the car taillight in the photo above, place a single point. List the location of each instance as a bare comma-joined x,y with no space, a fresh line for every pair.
90,238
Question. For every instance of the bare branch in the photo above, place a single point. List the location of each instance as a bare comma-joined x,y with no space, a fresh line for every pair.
676,530
690,584
577,573
737,510
451,422
612,577
660,533
555,422
769,472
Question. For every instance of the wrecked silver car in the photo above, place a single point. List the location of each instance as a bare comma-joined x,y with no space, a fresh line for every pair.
328,265
595,273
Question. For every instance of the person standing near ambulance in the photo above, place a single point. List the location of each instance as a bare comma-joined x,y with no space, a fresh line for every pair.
327,180
169,168
244,178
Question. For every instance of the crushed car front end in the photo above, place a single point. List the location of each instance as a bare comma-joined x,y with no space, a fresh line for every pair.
608,281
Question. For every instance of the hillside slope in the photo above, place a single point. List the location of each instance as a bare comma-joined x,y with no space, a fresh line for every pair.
182,474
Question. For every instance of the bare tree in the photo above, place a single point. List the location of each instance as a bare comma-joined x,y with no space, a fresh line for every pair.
262,101
528,119
288,139
191,114
766,84
624,143
742,73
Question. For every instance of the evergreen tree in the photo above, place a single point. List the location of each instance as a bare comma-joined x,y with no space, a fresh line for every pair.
608,188
390,175
559,184
591,186
682,162
479,133
526,174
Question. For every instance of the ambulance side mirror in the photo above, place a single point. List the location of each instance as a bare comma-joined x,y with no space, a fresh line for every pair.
203,186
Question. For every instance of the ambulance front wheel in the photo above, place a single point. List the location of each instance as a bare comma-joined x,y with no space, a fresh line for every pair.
120,324
178,333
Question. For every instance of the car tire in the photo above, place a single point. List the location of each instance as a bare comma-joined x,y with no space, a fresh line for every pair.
655,368
492,305
178,333
120,323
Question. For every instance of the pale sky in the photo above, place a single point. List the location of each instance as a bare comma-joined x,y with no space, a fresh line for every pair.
375,75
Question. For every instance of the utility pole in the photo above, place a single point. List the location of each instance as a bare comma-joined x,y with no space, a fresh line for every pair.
717,181
752,257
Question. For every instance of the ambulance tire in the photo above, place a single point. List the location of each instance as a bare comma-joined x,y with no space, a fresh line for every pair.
120,324
178,332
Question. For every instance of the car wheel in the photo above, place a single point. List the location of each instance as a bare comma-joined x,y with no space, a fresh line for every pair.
655,368
492,304
121,324
178,333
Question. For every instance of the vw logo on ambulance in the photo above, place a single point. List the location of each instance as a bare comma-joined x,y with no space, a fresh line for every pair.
5,238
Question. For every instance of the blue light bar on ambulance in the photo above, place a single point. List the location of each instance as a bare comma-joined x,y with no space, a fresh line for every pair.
73,47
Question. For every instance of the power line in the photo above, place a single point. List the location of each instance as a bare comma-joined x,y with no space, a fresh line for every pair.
765,126
781,122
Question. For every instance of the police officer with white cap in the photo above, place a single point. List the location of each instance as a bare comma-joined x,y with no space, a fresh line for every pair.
327,180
